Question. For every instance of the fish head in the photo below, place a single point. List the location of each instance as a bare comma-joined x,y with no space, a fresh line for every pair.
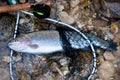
19,44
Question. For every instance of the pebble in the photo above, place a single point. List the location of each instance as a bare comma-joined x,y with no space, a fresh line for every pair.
117,76
6,27
74,10
90,24
116,40
117,55
74,3
53,67
4,74
60,8
24,76
6,58
64,62
22,20
4,50
109,56
84,73
44,77
106,70
64,17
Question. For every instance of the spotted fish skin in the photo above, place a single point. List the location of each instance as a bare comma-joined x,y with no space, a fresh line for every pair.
78,42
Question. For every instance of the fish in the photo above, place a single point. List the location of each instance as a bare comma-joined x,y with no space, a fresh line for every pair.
37,42
50,41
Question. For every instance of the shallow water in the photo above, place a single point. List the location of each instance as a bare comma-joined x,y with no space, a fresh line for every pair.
29,67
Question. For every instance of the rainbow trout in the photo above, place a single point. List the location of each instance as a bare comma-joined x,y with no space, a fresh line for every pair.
49,41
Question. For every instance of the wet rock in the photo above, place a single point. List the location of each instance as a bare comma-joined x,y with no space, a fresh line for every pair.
64,61
108,9
74,11
23,20
117,59
53,67
118,66
106,70
117,53
4,50
6,58
27,64
4,74
114,7
36,67
99,23
64,17
24,76
84,73
60,8
75,14
3,64
116,40
19,66
25,25
109,56
117,76
7,23
74,3
90,25
44,77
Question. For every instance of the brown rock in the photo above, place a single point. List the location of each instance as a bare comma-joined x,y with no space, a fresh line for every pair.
64,17
24,76
74,3
74,10
109,56
53,67
117,76
4,74
106,70
60,8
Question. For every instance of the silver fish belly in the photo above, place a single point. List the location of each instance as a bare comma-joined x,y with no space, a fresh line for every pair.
37,42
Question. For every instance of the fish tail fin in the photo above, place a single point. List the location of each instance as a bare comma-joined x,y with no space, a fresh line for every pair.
112,46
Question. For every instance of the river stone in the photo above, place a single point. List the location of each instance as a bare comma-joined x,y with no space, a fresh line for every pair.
64,17
109,56
106,70
4,74
74,3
